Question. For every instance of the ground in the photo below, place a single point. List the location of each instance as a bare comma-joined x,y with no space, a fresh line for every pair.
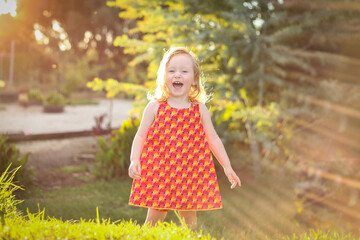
15,118
49,160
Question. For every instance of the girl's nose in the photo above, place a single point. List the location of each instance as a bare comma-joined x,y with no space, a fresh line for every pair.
177,74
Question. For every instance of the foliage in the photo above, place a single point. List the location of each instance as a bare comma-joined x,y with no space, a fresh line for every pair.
67,33
284,74
114,88
113,157
9,159
7,188
99,127
76,72
55,99
35,95
243,61
271,128
265,48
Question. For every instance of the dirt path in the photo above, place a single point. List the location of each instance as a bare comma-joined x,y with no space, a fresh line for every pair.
48,160
32,120
66,162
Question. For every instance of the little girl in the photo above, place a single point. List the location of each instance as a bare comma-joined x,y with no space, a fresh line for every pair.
171,162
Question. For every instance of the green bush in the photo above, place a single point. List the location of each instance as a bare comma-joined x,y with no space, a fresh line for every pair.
9,157
35,96
235,122
113,157
55,99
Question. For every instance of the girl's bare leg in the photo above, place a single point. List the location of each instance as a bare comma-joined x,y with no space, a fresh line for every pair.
155,216
189,217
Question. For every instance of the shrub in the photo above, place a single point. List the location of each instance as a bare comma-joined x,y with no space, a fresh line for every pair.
113,157
269,129
9,159
35,96
55,99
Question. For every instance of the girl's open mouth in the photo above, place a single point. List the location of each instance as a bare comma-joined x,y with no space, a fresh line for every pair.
177,84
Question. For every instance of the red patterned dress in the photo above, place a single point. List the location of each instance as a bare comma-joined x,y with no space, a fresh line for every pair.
177,169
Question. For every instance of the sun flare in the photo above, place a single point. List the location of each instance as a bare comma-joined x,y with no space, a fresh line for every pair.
8,7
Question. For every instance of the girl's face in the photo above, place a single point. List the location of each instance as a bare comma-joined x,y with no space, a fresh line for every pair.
180,75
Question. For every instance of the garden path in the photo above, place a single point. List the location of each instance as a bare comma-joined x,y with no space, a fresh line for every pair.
15,118
60,162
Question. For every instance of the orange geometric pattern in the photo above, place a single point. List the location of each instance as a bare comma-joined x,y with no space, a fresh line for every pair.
177,169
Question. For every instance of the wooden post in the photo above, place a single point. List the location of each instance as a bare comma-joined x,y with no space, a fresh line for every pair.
11,73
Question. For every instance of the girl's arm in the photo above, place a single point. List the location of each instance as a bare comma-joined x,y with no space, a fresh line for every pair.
139,139
217,147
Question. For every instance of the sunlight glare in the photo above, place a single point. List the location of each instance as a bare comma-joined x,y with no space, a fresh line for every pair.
64,44
56,26
8,6
63,36
87,36
38,34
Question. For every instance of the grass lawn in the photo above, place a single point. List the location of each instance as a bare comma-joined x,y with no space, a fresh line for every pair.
263,206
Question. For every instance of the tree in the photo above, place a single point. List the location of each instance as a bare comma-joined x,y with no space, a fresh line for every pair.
68,32
225,36
257,54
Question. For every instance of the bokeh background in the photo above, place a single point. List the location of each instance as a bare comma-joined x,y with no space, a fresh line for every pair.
283,76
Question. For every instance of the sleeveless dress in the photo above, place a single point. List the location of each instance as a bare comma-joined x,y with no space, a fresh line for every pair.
177,169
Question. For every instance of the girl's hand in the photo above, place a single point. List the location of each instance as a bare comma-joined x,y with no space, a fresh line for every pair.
233,178
135,170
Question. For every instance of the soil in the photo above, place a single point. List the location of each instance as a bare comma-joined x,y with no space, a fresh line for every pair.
48,161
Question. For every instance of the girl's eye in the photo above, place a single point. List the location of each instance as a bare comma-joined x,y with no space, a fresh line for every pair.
184,71
171,71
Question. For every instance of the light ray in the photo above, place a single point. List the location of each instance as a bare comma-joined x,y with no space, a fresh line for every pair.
264,203
337,202
334,205
328,134
326,104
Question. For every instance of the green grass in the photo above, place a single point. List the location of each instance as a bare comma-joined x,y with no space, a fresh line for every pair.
322,235
79,202
35,226
262,208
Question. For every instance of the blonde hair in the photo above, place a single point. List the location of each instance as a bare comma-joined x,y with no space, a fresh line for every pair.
197,92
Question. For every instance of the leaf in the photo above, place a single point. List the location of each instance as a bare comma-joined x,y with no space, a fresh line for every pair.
232,62
243,94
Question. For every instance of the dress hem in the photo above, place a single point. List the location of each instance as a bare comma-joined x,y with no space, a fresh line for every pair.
176,209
